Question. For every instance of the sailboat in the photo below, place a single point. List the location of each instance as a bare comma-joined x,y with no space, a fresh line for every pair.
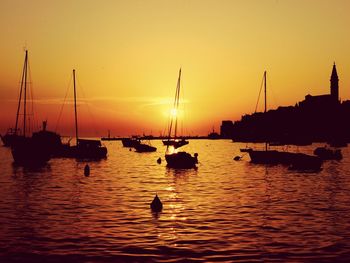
298,161
27,151
175,159
84,148
175,141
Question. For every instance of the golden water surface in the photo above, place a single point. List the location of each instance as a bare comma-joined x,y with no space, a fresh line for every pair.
225,210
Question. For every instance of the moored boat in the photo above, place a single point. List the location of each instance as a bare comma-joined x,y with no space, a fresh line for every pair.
175,159
28,150
85,149
130,142
295,160
328,154
181,160
142,147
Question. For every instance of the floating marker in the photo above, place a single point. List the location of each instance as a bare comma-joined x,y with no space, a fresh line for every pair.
87,170
156,204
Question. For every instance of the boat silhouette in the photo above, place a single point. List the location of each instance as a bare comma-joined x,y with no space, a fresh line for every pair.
130,142
143,147
298,161
175,159
28,150
326,153
84,148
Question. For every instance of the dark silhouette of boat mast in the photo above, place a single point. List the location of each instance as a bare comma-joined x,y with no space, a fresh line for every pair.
75,107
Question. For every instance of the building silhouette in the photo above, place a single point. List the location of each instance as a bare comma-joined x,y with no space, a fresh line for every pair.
316,118
226,129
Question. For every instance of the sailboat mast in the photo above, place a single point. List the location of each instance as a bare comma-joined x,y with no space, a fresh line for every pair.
25,94
20,96
75,107
265,103
177,98
265,89
174,109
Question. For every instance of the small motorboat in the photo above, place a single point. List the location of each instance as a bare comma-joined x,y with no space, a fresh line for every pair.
181,160
130,142
328,154
142,147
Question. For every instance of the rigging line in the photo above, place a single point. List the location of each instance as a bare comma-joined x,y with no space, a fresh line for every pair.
19,100
272,92
172,115
183,109
177,102
25,95
64,101
166,128
93,120
261,86
30,87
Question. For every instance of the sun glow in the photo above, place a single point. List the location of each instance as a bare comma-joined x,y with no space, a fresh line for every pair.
130,86
173,112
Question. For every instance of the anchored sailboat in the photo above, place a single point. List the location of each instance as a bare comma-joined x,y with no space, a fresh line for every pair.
84,148
174,158
27,151
295,160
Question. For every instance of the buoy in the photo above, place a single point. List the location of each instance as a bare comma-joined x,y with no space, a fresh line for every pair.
156,204
159,160
237,158
87,170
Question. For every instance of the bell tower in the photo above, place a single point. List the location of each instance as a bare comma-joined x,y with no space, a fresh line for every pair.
334,84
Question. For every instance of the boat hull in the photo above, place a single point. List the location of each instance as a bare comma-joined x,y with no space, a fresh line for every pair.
145,148
30,152
130,143
181,160
328,154
270,157
8,139
297,161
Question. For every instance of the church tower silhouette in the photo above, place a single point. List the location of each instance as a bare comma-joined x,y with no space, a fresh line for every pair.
334,84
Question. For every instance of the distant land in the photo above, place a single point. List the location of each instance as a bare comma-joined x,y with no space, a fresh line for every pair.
322,118
151,137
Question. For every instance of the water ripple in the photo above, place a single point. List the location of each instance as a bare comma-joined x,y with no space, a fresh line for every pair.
223,211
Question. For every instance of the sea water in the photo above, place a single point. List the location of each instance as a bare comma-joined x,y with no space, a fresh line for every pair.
225,210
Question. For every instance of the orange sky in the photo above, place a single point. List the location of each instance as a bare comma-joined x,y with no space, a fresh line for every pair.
127,55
